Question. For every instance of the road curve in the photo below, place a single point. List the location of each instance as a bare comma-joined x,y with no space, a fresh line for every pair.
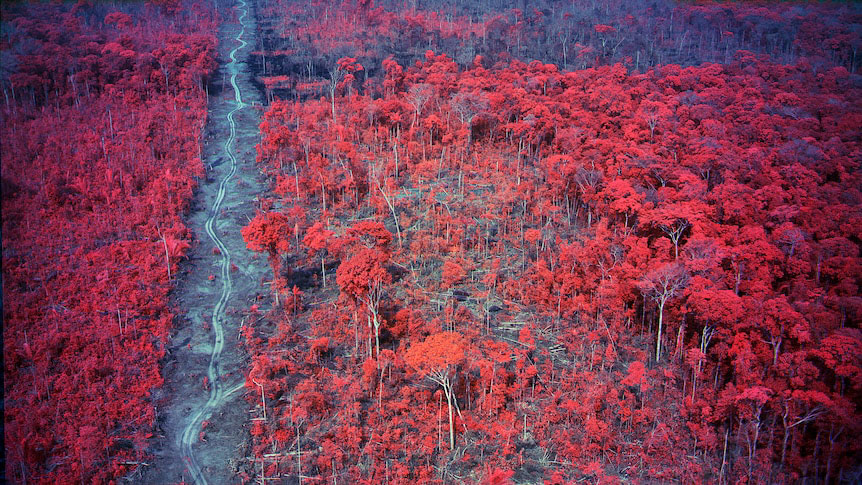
217,394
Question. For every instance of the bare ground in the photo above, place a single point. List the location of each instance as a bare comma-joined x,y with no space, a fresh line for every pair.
185,399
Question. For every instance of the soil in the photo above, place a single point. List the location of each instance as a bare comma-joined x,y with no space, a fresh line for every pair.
205,364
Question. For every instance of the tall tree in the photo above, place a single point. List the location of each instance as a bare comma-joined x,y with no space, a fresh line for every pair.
660,285
437,358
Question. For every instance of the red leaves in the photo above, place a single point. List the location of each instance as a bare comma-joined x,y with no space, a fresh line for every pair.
594,468
453,273
842,353
96,254
670,206
636,376
317,238
361,272
268,231
525,336
437,354
532,235
176,247
349,64
371,234
758,395
121,19
499,477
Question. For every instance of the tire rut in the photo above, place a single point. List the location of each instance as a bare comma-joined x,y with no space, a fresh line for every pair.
216,397
203,439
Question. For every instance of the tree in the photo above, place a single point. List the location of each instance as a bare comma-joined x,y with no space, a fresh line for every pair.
437,359
369,234
270,232
418,95
673,220
652,113
362,278
174,248
467,105
660,285
637,377
453,273
341,73
750,403
317,238
799,407
394,76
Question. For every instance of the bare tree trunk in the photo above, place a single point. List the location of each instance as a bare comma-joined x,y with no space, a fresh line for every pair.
323,269
723,457
447,388
167,253
658,333
332,101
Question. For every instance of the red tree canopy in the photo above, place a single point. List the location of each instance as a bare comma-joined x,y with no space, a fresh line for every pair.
437,355
268,231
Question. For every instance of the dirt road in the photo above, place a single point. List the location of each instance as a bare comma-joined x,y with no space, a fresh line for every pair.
204,419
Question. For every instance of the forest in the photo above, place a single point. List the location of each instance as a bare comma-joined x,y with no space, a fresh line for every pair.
102,112
507,242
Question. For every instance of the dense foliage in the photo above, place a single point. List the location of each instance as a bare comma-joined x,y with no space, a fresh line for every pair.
570,241
102,115
626,272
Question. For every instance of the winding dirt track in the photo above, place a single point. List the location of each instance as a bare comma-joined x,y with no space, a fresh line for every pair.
202,420
217,393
